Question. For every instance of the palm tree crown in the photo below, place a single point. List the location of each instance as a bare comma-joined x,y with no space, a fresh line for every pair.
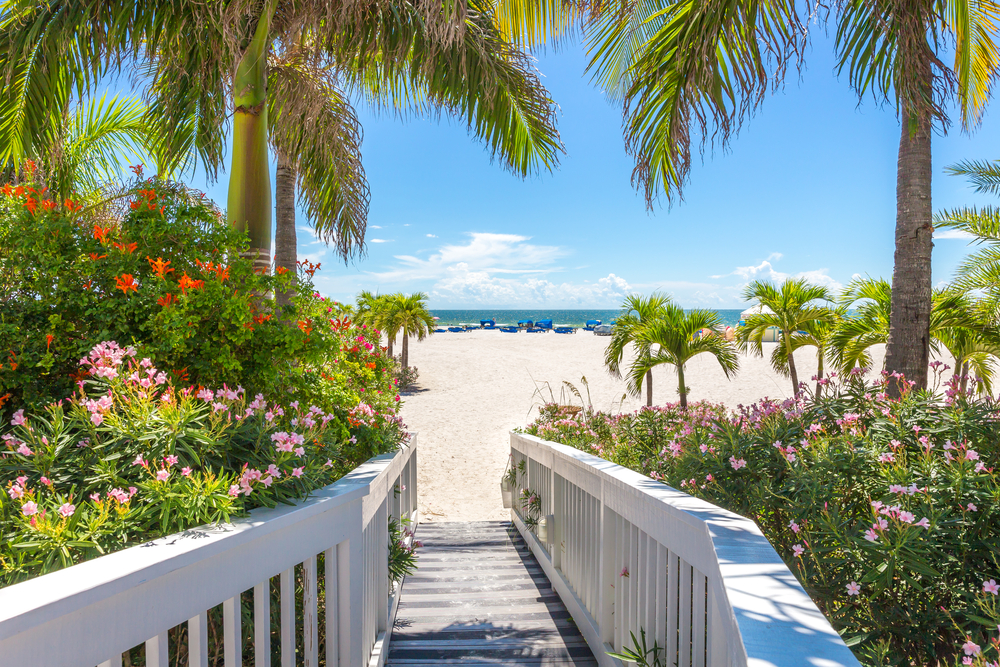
637,312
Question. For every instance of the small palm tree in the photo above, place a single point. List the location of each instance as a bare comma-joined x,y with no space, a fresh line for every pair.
408,314
371,310
637,312
818,334
672,334
790,311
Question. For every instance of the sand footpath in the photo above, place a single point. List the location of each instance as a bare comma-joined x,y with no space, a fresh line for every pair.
475,387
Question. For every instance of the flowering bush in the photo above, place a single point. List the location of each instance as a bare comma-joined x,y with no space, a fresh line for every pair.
130,456
165,272
887,510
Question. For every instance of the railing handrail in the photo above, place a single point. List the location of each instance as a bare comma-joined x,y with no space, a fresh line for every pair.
89,596
766,608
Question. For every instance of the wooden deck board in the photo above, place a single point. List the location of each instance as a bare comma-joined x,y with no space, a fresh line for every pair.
479,597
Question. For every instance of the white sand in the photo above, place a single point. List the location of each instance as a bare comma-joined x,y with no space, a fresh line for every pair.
475,387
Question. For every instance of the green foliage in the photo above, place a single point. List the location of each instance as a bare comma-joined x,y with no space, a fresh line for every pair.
886,510
402,548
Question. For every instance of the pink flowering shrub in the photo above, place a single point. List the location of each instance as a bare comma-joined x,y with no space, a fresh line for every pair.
130,457
887,510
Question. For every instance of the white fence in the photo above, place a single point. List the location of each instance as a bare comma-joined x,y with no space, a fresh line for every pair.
91,613
626,554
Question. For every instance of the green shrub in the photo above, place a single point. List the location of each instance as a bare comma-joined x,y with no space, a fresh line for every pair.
888,511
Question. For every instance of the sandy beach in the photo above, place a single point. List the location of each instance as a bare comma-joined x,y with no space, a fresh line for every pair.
475,387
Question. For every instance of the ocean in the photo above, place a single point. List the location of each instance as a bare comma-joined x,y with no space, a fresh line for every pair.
568,318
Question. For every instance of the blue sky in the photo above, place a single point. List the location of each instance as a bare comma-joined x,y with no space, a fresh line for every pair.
806,189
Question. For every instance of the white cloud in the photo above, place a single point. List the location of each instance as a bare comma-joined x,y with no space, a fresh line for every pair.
952,234
378,240
766,271
432,236
374,227
774,256
464,286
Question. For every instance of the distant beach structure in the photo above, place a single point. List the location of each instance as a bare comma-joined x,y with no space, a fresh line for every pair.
560,318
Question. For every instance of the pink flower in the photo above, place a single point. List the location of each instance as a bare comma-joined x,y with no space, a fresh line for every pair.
267,481
67,510
234,490
205,395
970,647
923,523
853,588
273,471
798,549
23,449
97,418
185,472
624,572
887,457
170,460
737,463
96,497
991,586
18,419
972,507
329,463
972,455
29,509
162,475
15,492
139,461
297,472
871,535
794,526
906,517
46,481
300,451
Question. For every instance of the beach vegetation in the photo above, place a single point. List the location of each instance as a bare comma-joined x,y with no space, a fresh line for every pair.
407,315
886,509
789,307
638,311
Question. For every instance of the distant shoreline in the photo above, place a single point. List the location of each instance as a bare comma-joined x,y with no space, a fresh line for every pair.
559,317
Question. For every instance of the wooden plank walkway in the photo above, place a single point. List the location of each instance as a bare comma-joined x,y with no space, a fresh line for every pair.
480,597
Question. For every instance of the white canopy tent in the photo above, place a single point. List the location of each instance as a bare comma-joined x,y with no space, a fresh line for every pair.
755,310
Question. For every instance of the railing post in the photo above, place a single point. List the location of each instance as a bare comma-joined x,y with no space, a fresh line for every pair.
351,559
606,593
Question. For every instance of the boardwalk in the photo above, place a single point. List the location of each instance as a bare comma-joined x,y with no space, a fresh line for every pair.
480,597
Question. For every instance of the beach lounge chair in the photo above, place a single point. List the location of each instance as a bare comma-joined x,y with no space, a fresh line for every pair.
602,330
456,329
440,330
487,324
525,324
544,324
537,330
509,329
565,330
591,324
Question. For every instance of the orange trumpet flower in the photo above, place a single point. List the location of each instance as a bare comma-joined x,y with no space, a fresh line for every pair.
126,282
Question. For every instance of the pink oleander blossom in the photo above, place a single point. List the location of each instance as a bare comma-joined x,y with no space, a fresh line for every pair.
185,472
853,588
29,508
297,472
67,510
991,586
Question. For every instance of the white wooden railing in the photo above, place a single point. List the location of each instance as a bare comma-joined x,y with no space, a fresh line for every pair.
91,613
628,554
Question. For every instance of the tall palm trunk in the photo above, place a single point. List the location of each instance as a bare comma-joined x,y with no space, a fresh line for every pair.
649,388
681,389
391,341
249,177
909,319
964,366
819,370
786,339
406,350
285,253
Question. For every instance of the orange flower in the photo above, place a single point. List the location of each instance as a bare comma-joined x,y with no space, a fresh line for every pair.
309,267
281,270
87,284
48,341
3,399
48,204
306,327
260,319
30,204
182,374
19,190
135,204
162,209
7,190
69,205
168,300
159,266
101,233
94,256
129,248
136,169
29,166
13,362
187,282
125,282
371,365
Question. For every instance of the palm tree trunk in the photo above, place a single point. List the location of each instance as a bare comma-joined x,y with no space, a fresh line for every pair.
819,371
681,389
909,319
406,350
285,252
965,375
649,388
249,177
787,340
391,341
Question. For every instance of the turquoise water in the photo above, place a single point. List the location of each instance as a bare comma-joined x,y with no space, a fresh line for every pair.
569,318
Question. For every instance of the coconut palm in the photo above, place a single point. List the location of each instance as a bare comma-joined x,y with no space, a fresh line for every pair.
673,338
455,54
790,308
371,311
408,314
637,312
685,69
981,269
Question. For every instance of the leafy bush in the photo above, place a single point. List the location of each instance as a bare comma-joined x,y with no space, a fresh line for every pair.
406,377
131,457
165,273
887,510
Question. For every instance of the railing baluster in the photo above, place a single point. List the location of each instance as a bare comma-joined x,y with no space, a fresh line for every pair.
156,651
331,601
262,624
232,632
698,620
310,611
673,594
197,641
287,595
641,586
685,615
660,596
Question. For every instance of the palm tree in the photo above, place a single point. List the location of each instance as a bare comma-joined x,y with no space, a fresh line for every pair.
372,311
689,68
408,315
456,56
871,302
979,271
673,335
788,308
818,334
637,312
